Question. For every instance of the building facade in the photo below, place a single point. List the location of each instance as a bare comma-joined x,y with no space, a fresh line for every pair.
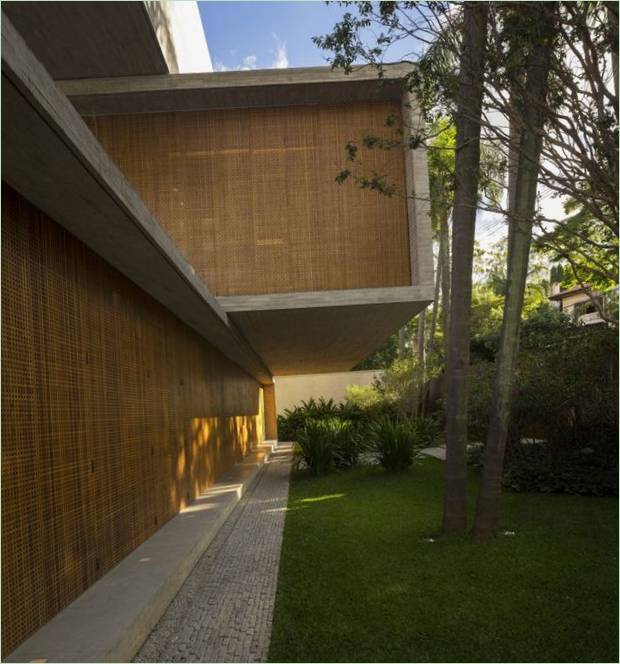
171,242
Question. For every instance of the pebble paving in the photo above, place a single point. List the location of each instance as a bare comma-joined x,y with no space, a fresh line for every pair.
224,610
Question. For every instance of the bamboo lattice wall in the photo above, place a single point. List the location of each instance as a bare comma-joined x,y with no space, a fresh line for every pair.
250,198
115,415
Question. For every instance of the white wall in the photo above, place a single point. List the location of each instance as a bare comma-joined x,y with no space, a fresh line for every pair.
291,390
178,28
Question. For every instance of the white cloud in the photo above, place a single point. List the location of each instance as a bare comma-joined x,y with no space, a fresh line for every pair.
220,66
249,62
281,56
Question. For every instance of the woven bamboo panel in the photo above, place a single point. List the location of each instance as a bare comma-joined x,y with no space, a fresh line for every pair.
115,415
250,197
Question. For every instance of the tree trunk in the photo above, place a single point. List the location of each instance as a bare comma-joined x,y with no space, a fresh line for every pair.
421,363
467,173
521,219
401,343
444,259
435,311
612,15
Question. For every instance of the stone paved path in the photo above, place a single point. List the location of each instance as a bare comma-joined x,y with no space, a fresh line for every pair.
437,452
223,612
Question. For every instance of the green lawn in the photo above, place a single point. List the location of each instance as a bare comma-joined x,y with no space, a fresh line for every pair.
358,581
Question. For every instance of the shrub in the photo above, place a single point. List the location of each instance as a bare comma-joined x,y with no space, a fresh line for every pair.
426,430
394,443
348,442
540,467
293,420
537,467
323,444
316,446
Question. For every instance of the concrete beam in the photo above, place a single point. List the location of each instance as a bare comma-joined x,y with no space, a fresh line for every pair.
418,196
52,159
237,89
339,298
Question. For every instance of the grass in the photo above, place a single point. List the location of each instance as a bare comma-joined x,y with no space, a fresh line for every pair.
358,581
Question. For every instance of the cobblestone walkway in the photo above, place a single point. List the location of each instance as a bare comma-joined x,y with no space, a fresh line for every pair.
224,610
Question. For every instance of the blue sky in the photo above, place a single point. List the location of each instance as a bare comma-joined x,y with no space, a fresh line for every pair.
265,34
261,35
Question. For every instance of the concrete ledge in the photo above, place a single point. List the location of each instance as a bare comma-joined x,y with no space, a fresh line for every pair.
337,298
110,621
256,88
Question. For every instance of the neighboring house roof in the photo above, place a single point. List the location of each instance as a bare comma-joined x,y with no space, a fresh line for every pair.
571,291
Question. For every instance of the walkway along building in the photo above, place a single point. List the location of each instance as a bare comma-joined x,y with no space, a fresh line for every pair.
170,242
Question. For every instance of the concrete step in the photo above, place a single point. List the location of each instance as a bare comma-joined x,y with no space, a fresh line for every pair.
111,619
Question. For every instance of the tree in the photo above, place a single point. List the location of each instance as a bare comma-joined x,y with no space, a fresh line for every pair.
540,26
579,153
467,171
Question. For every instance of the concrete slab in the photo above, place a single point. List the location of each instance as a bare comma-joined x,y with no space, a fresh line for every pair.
111,620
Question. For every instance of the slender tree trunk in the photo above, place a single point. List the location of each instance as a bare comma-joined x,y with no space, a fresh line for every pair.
435,311
420,337
521,219
467,173
612,15
444,259
401,343
421,361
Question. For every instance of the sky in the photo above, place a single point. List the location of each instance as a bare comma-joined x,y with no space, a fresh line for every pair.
263,35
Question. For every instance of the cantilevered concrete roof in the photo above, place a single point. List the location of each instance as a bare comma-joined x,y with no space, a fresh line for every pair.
92,39
52,158
234,89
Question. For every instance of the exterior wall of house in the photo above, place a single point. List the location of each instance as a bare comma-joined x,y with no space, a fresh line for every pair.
249,195
115,415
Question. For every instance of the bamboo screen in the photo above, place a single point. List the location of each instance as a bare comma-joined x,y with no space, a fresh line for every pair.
114,416
250,197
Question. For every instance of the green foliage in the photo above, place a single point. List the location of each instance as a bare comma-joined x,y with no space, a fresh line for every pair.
316,446
565,392
363,396
328,443
539,467
585,249
427,430
545,469
395,444
348,442
293,420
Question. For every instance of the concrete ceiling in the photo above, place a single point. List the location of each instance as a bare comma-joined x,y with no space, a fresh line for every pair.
321,339
91,39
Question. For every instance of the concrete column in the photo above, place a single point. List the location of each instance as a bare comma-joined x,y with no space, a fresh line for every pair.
271,417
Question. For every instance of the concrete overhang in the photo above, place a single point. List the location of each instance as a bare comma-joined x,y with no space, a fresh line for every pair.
234,89
315,332
78,39
53,159
306,332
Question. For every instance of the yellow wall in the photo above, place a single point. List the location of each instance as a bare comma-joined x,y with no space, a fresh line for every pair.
291,390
